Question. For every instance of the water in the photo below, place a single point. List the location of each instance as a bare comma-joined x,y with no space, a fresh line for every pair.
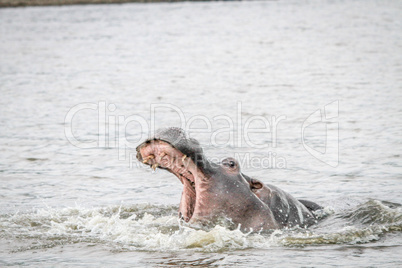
229,62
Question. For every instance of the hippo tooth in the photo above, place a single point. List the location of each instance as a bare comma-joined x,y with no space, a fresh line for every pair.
184,157
155,166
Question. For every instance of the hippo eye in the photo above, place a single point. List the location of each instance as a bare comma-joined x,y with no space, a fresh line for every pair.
230,163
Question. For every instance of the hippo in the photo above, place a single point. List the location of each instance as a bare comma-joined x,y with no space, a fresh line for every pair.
213,192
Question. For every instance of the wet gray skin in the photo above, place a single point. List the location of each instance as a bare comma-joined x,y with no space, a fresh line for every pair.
287,210
212,192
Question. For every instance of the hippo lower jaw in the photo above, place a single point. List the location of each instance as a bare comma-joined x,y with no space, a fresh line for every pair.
157,153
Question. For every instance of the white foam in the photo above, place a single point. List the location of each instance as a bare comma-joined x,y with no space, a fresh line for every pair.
157,228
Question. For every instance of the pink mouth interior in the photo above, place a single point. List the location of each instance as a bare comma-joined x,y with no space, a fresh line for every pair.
157,153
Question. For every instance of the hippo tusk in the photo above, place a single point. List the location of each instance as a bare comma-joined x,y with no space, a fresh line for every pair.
148,158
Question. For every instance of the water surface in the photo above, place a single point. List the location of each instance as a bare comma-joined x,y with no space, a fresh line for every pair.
65,205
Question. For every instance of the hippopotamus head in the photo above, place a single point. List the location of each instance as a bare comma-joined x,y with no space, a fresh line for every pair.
210,191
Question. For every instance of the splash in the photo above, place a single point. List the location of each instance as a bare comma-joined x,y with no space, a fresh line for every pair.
157,228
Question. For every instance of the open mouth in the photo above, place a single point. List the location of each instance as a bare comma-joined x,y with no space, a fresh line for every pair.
161,154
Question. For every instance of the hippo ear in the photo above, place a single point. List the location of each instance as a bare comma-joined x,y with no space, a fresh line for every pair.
255,184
